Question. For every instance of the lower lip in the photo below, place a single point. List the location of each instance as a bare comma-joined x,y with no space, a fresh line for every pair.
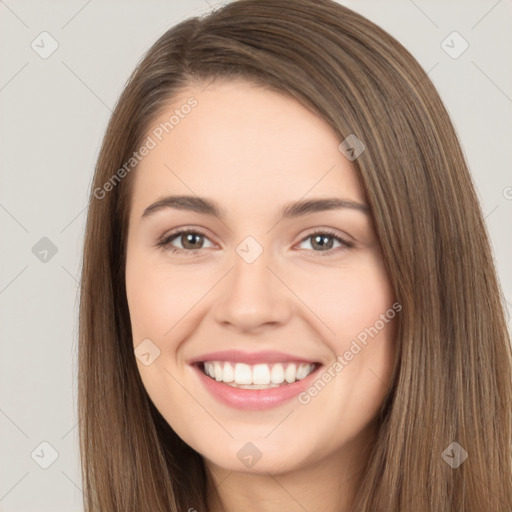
254,399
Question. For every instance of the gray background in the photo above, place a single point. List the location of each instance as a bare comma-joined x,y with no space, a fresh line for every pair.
53,115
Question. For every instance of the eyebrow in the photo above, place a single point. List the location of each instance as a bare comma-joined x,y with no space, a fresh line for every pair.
290,210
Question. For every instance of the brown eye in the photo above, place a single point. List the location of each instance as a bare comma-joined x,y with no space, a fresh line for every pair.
323,241
190,241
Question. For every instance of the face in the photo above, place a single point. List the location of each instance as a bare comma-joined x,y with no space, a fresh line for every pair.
263,333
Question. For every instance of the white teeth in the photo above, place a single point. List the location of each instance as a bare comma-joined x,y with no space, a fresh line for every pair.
258,376
229,373
243,374
277,374
218,370
252,386
302,371
290,373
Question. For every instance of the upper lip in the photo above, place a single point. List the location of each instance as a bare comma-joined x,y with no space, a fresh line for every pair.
239,356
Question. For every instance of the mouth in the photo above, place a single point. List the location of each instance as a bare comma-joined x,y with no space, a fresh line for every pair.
256,376
254,381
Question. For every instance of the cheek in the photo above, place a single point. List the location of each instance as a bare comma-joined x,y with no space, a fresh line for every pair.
349,299
146,301
157,298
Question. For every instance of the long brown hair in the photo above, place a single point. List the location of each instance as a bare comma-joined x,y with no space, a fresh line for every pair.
452,380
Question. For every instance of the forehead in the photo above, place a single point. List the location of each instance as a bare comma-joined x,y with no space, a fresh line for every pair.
242,145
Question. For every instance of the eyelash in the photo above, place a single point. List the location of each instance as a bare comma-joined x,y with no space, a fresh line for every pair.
165,241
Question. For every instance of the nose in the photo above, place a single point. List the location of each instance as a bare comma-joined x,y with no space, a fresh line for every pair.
252,296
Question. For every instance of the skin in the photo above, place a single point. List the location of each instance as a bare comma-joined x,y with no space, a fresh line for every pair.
252,151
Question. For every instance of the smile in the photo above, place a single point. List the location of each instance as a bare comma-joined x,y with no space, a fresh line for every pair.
254,380
256,376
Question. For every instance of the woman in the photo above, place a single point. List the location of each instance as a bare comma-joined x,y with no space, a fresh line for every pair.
288,297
